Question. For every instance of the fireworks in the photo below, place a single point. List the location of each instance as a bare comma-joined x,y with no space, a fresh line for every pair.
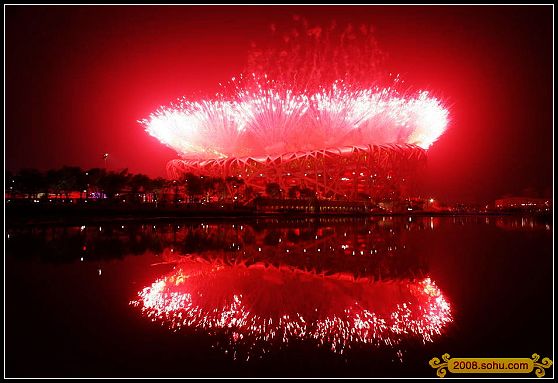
258,307
312,56
310,114
261,117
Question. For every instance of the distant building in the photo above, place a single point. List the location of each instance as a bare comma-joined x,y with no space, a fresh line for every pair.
523,203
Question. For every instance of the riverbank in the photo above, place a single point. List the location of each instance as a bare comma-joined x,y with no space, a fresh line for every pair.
73,214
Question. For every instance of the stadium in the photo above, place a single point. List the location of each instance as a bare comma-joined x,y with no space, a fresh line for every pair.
377,171
340,142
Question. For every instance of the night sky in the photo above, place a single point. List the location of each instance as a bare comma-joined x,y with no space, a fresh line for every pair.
78,78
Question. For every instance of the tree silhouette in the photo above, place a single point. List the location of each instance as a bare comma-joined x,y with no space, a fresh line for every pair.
273,190
215,186
294,192
158,186
234,185
194,185
93,178
10,184
307,193
113,182
29,182
139,183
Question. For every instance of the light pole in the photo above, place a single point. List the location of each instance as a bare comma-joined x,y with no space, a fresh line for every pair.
105,157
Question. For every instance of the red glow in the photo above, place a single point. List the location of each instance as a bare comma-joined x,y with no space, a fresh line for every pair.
257,306
110,66
263,117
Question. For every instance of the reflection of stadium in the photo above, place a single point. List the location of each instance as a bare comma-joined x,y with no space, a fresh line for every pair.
336,283
331,243
372,250
379,171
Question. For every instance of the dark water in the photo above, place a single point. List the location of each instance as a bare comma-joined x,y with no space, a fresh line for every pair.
334,297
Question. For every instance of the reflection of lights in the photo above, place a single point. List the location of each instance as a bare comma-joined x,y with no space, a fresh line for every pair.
258,306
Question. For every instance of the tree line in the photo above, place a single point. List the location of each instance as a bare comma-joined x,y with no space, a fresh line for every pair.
101,184
62,182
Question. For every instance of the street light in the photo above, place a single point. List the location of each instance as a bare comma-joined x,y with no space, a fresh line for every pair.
105,157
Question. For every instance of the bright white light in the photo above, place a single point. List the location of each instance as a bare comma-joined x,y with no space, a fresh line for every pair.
264,118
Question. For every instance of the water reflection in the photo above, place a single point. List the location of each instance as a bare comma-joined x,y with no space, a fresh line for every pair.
257,285
524,223
260,287
258,308
321,241
378,290
372,249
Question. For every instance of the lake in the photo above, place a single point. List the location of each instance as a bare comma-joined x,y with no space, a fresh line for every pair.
301,297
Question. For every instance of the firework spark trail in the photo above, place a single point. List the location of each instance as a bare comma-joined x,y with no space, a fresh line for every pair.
334,114
311,88
235,301
312,56
267,107
262,117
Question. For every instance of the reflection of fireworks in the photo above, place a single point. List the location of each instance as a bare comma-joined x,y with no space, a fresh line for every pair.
263,117
257,307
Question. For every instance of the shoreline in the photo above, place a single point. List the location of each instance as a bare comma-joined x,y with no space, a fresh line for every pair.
69,215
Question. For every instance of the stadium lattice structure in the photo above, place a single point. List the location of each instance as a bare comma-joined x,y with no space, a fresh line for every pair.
379,171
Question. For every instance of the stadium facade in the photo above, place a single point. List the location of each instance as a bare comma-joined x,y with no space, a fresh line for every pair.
381,172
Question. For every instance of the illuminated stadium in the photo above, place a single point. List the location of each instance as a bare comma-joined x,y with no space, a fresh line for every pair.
340,141
303,115
379,171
